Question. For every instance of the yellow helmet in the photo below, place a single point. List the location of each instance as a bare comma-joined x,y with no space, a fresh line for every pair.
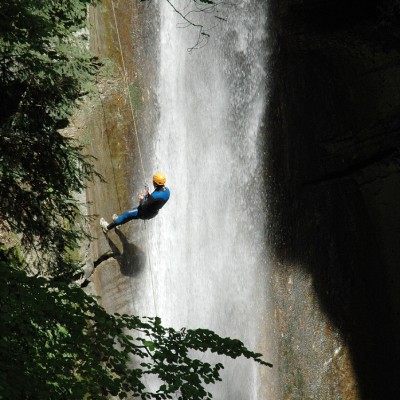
159,178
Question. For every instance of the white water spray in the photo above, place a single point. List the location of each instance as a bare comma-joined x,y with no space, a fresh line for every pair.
207,248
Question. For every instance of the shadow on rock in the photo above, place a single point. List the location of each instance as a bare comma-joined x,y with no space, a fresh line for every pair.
333,143
132,259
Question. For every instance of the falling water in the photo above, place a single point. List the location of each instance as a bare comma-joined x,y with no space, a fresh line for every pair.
208,256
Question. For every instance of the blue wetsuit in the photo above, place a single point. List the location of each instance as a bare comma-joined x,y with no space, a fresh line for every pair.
147,209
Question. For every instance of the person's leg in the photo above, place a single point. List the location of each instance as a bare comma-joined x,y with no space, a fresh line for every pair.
123,218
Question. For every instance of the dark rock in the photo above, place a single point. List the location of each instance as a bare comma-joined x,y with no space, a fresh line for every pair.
334,126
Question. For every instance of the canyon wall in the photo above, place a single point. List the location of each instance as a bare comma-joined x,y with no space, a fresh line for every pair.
112,126
332,171
334,140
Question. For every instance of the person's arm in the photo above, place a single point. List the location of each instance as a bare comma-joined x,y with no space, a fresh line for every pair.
143,197
150,203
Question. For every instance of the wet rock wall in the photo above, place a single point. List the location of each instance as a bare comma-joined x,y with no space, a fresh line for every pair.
333,171
114,129
333,176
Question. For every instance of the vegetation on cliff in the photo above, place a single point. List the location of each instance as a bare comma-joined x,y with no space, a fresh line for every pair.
45,70
56,342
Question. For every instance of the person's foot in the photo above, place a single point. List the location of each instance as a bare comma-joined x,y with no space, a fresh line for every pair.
115,216
104,225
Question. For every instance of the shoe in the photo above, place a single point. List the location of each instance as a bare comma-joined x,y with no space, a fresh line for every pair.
104,225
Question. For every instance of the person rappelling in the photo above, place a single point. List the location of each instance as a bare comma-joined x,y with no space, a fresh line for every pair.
149,205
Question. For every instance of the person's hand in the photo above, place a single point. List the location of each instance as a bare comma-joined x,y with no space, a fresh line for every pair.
140,197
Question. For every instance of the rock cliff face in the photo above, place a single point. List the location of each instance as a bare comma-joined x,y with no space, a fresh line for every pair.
334,129
334,185
112,127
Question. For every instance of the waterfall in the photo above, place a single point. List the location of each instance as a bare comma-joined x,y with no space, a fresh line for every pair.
207,251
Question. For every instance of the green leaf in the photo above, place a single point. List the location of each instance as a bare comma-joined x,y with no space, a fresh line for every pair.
149,344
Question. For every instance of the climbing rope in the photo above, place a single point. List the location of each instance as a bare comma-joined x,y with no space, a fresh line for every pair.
151,271
125,77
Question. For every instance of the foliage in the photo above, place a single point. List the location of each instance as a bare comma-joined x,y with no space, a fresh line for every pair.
44,69
56,342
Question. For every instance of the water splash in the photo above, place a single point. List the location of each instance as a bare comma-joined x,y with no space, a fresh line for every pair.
207,249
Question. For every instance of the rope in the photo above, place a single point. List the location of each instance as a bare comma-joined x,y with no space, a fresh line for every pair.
106,129
138,144
109,152
151,271
125,75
